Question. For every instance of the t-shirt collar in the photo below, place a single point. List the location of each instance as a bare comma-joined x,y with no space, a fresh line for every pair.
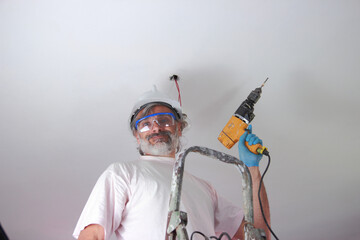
158,158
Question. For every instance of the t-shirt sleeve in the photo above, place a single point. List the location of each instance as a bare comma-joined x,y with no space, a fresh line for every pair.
105,204
228,216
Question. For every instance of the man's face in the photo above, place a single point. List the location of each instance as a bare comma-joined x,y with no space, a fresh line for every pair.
159,140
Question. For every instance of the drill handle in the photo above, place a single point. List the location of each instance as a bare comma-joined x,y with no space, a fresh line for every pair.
256,148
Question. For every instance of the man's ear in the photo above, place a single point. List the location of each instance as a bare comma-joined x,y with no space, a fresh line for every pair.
136,134
179,129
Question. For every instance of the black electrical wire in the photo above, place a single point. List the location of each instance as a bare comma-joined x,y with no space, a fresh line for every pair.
261,206
197,232
212,237
224,234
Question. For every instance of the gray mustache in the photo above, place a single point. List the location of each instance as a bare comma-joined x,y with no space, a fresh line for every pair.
165,133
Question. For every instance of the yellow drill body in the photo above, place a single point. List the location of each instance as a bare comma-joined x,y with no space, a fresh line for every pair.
232,132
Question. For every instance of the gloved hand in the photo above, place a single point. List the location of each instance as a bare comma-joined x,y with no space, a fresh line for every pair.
250,159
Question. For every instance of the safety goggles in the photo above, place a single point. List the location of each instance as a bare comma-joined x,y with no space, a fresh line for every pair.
162,120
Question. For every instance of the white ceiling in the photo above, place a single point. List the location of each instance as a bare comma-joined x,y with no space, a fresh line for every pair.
71,70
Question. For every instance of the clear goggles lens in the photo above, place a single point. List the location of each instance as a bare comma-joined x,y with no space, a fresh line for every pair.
162,120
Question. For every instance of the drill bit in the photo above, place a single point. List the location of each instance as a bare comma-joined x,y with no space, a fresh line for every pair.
264,82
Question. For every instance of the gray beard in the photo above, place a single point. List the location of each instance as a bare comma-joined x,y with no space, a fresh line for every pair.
160,148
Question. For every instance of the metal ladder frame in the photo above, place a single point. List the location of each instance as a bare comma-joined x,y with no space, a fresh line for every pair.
177,220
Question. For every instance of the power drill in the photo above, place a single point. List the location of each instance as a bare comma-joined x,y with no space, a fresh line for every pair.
239,122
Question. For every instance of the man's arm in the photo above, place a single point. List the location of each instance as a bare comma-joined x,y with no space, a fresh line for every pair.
252,160
92,232
258,218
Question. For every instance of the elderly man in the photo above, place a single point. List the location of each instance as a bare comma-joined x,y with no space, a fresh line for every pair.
131,199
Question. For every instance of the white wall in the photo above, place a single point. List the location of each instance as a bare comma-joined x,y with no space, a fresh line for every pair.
70,71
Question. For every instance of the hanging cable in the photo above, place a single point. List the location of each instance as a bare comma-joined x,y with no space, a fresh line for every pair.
176,78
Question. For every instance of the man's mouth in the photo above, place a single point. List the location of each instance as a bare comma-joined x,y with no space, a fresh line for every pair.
158,137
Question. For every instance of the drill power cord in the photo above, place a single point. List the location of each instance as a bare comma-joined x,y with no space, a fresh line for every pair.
261,206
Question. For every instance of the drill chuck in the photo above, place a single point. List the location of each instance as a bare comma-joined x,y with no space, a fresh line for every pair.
255,95
246,110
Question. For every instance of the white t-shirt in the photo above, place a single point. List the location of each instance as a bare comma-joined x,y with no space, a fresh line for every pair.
132,200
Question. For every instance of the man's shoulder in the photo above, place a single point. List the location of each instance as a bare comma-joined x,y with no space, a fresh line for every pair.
119,171
115,167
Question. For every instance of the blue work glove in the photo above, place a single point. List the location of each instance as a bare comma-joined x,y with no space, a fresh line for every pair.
250,159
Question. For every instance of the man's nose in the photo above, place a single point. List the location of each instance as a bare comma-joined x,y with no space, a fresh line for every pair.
155,127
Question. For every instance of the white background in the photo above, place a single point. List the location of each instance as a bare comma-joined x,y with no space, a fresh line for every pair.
70,72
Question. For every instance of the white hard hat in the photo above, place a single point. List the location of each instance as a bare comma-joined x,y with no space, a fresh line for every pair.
154,96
